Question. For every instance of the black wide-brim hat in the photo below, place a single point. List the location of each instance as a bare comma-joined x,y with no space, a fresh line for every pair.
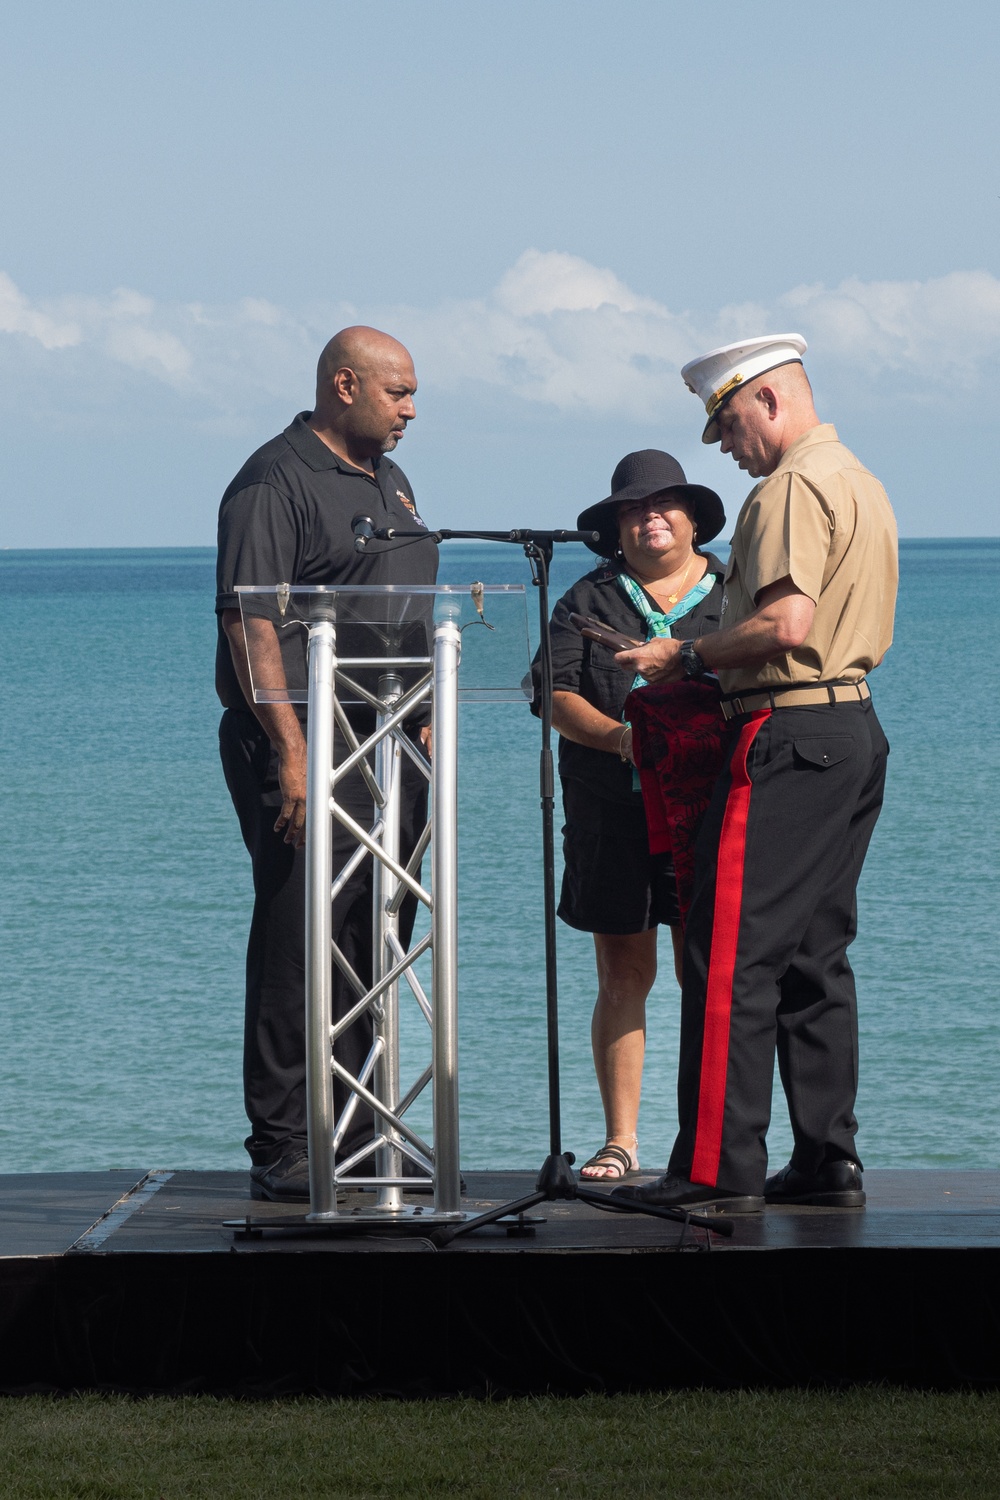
638,476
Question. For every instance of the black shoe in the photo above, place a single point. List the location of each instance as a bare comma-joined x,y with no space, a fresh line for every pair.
837,1184
670,1191
283,1181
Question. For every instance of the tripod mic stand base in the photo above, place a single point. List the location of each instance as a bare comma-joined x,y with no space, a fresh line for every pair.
556,1180
556,1183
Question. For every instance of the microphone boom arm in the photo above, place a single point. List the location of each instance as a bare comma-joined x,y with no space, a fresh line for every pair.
520,535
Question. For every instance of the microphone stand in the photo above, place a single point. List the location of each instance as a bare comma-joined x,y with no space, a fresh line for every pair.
555,1182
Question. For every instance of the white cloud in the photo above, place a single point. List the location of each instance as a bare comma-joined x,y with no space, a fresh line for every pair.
550,282
18,316
560,331
947,326
148,349
125,327
555,330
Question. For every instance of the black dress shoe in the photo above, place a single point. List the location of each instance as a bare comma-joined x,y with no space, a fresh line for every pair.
670,1191
283,1181
837,1184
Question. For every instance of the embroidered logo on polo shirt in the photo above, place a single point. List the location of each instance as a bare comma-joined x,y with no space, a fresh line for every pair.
410,507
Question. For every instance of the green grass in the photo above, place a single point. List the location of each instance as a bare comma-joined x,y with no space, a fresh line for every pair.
850,1444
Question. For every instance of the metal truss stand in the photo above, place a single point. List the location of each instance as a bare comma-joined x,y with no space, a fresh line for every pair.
331,679
378,1084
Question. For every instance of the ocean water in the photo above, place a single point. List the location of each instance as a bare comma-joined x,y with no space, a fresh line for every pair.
125,890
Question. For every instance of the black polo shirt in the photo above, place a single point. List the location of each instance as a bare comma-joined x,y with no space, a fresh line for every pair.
286,518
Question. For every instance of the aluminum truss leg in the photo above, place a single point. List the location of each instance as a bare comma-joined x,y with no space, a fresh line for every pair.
319,922
388,766
444,887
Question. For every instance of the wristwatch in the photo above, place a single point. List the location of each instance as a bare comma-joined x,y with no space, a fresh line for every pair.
690,660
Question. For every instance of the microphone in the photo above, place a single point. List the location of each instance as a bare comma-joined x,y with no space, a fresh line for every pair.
363,528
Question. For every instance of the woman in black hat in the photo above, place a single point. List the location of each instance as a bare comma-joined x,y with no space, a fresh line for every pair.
655,580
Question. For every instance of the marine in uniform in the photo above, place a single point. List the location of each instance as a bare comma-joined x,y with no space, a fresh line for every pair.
287,517
807,613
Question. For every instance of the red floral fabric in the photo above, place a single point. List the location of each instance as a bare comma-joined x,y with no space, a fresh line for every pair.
678,742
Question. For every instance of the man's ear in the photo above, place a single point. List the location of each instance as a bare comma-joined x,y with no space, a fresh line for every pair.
345,385
767,395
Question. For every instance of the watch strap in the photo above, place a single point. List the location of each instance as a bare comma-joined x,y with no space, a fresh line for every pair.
694,666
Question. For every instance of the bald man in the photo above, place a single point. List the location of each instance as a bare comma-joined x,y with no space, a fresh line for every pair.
807,613
287,518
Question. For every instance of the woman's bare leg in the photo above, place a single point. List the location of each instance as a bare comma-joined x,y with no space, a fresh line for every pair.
626,969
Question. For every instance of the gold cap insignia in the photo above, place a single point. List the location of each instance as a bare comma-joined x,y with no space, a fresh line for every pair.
717,397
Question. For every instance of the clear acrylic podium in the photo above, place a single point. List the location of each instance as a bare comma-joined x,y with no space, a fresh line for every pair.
388,652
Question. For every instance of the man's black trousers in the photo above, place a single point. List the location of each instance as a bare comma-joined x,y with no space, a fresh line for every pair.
274,1083
765,959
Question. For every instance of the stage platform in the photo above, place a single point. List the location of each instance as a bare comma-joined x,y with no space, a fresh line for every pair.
131,1281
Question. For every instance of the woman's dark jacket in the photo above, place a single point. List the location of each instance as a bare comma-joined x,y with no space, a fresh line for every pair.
584,667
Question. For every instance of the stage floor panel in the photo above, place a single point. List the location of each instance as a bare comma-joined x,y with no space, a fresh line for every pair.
135,1212
45,1213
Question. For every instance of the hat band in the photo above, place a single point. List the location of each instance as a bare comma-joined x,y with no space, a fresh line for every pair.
718,397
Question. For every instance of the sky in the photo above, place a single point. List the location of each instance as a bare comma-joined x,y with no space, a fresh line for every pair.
555,205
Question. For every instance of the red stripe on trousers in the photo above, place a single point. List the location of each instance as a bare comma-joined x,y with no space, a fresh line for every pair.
722,961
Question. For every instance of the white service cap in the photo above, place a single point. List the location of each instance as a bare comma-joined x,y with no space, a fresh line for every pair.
715,376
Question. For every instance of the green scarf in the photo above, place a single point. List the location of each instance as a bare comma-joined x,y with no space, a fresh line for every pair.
658,623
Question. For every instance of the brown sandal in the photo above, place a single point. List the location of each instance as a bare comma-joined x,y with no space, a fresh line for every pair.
617,1161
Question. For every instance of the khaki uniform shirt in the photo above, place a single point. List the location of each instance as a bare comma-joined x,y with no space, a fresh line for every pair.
824,521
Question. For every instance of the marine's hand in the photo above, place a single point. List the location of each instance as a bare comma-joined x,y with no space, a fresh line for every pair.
657,661
427,740
292,781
